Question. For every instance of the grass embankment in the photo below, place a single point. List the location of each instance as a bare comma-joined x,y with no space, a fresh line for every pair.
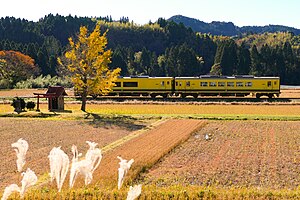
221,112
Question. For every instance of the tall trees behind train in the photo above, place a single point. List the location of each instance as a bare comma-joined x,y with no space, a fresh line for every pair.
162,48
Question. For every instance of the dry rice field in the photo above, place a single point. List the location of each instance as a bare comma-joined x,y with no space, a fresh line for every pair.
43,135
264,155
148,148
249,154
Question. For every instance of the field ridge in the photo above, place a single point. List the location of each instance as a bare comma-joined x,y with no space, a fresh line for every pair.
132,135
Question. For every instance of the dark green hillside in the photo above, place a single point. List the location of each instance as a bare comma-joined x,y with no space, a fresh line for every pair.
228,28
214,28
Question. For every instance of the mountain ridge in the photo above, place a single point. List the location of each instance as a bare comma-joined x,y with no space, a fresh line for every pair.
229,28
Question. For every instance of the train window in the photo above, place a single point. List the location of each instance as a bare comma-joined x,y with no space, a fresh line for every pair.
118,84
176,83
239,84
269,83
230,84
130,84
162,83
248,84
221,84
212,84
179,83
188,83
275,82
168,82
203,84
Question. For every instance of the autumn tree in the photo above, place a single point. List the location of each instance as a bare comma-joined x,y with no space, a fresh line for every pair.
216,69
16,67
87,60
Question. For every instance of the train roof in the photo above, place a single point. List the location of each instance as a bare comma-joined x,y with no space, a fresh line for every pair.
144,77
227,77
202,77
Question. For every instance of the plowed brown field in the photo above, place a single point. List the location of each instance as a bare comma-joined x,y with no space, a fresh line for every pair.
43,135
147,149
261,154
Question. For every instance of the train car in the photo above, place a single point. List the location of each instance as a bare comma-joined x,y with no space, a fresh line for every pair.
239,86
143,86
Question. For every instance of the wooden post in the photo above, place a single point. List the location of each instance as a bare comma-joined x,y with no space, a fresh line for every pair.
38,104
50,103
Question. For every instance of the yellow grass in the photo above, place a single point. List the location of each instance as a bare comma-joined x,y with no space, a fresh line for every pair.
178,110
196,109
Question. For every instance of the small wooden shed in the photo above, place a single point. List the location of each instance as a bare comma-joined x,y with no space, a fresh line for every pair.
55,95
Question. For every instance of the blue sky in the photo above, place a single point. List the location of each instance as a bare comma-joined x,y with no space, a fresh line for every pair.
240,12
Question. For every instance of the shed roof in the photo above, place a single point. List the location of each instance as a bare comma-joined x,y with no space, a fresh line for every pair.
57,91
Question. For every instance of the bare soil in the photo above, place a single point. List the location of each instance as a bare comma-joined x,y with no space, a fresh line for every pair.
261,154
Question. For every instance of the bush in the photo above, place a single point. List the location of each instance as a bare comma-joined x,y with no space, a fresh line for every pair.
5,84
30,105
18,104
44,82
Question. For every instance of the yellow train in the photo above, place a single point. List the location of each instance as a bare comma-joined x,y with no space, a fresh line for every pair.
207,85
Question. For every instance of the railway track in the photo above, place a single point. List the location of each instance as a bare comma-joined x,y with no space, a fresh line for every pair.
119,99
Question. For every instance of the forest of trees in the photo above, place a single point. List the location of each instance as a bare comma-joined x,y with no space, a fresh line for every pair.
162,48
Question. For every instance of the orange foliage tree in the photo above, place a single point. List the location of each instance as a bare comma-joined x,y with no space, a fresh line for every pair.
16,67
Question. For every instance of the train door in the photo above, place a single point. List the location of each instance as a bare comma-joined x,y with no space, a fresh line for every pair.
164,88
180,85
189,85
163,85
269,85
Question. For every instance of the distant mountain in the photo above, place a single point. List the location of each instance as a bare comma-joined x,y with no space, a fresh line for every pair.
228,28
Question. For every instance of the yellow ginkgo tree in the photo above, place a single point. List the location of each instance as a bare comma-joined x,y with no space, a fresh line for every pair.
87,60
